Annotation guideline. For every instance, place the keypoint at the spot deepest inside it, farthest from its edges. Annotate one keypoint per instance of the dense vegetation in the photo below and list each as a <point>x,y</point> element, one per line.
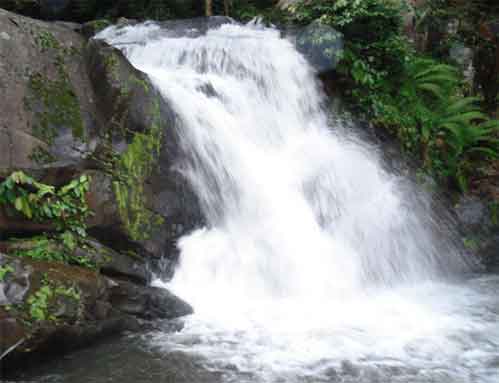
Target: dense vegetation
<point>419,93</point>
<point>64,211</point>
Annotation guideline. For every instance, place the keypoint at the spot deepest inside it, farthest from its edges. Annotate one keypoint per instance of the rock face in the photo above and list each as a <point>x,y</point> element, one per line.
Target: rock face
<point>48,111</point>
<point>69,107</point>
<point>148,303</point>
<point>158,206</point>
<point>46,303</point>
<point>479,222</point>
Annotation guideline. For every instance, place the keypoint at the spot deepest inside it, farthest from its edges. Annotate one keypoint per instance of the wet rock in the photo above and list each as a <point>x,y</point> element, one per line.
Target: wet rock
<point>47,296</point>
<point>16,284</point>
<point>54,119</point>
<point>130,265</point>
<point>124,94</point>
<point>91,28</point>
<point>114,264</point>
<point>490,253</point>
<point>472,213</point>
<point>477,219</point>
<point>148,303</point>
<point>127,96</point>
<point>80,306</point>
<point>12,332</point>
<point>331,41</point>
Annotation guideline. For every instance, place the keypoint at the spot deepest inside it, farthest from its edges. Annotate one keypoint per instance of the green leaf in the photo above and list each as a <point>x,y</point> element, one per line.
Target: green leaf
<point>19,204</point>
<point>433,89</point>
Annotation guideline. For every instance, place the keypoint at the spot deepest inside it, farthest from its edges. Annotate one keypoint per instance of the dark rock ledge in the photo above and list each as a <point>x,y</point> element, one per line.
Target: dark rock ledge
<point>72,106</point>
<point>51,307</point>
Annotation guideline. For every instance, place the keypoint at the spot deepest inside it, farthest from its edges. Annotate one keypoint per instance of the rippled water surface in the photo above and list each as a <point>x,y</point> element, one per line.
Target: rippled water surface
<point>432,333</point>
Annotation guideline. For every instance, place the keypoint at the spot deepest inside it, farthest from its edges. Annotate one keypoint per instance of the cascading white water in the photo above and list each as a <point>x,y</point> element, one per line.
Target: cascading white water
<point>313,252</point>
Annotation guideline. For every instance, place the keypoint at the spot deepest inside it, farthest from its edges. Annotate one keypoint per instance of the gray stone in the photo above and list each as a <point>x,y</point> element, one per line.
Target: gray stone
<point>149,302</point>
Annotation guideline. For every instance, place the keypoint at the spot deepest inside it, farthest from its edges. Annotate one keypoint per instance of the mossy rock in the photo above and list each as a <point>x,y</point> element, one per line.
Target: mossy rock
<point>47,112</point>
<point>51,308</point>
<point>142,127</point>
<point>91,28</point>
<point>37,298</point>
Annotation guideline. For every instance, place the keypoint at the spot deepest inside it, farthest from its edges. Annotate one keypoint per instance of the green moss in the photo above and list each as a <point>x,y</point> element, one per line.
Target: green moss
<point>111,62</point>
<point>134,80</point>
<point>99,25</point>
<point>45,40</point>
<point>43,305</point>
<point>53,249</point>
<point>494,213</point>
<point>133,168</point>
<point>4,270</point>
<point>55,105</point>
<point>41,156</point>
<point>53,100</point>
<point>471,244</point>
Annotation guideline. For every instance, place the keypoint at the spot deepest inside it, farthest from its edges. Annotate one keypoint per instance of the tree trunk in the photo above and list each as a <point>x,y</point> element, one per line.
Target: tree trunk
<point>226,7</point>
<point>209,7</point>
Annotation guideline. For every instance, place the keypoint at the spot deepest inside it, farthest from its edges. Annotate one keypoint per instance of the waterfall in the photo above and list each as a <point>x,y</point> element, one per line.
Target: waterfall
<point>307,233</point>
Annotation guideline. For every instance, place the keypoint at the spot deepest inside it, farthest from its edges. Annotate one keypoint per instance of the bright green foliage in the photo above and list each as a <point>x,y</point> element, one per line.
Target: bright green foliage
<point>472,20</point>
<point>131,171</point>
<point>359,19</point>
<point>245,10</point>
<point>433,120</point>
<point>46,40</point>
<point>41,249</point>
<point>66,207</point>
<point>416,98</point>
<point>40,304</point>
<point>57,248</point>
<point>4,270</point>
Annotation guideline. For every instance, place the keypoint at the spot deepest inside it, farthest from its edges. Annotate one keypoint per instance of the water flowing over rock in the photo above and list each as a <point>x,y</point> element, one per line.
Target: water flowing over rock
<point>237,129</point>
<point>315,262</point>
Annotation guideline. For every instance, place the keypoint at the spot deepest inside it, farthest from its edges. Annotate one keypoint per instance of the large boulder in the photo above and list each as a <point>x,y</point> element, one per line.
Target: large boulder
<point>48,112</point>
<point>38,298</point>
<point>145,198</point>
<point>149,302</point>
<point>50,305</point>
<point>129,265</point>
<point>70,108</point>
